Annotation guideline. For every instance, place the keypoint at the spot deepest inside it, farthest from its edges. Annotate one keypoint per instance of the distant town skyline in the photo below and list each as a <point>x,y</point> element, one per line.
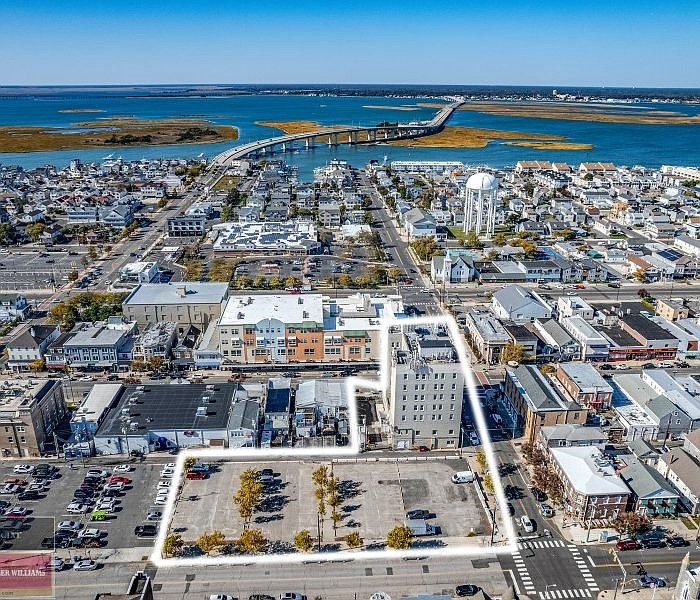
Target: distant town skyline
<point>586,43</point>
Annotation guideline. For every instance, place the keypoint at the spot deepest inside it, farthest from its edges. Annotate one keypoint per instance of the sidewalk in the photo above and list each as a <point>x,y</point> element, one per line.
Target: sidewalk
<point>665,593</point>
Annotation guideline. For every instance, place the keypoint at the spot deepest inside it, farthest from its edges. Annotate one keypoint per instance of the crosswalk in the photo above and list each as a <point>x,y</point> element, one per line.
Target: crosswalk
<point>555,594</point>
<point>523,573</point>
<point>541,544</point>
<point>583,567</point>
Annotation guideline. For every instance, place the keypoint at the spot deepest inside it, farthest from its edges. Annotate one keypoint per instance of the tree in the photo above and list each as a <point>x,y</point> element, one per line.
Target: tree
<point>226,213</point>
<point>7,234</point>
<point>303,540</point>
<point>425,248</point>
<point>488,482</point>
<point>210,541</point>
<point>499,239</point>
<point>162,203</point>
<point>528,246</point>
<point>353,540</point>
<point>631,524</point>
<point>251,541</point>
<point>513,352</point>
<point>345,281</point>
<point>471,240</point>
<point>138,365</point>
<point>548,369</point>
<point>275,283</point>
<point>640,275</point>
<point>92,252</point>
<point>480,459</point>
<point>291,282</point>
<point>259,282</point>
<point>320,478</point>
<point>189,463</point>
<point>242,282</point>
<point>394,273</point>
<point>248,495</point>
<point>35,230</point>
<point>155,363</point>
<point>73,276</point>
<point>37,365</point>
<point>399,538</point>
<point>172,544</point>
<point>363,281</point>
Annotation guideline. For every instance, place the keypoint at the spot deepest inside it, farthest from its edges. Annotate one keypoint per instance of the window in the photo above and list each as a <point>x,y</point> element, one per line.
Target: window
<point>20,429</point>
<point>434,431</point>
<point>23,440</point>
<point>450,431</point>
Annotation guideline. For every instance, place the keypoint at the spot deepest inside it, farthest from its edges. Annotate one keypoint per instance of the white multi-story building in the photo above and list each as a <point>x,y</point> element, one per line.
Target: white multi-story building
<point>423,401</point>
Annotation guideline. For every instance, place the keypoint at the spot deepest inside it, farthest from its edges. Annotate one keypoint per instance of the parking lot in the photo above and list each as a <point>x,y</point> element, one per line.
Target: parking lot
<point>133,504</point>
<point>32,269</point>
<point>375,497</point>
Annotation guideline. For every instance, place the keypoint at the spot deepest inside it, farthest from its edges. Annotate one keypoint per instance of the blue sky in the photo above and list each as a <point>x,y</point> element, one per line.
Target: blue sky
<point>619,43</point>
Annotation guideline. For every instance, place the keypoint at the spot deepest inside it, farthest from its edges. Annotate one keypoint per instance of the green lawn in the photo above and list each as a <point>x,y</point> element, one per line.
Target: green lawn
<point>456,233</point>
<point>226,183</point>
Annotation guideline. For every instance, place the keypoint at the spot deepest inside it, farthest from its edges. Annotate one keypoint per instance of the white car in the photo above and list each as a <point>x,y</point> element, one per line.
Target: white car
<point>164,484</point>
<point>96,473</point>
<point>221,597</point>
<point>77,508</point>
<point>70,525</point>
<point>55,564</point>
<point>527,525</point>
<point>85,378</point>
<point>163,493</point>
<point>116,486</point>
<point>90,533</point>
<point>168,473</point>
<point>122,469</point>
<point>16,511</point>
<point>622,367</point>
<point>292,596</point>
<point>85,565</point>
<point>161,501</point>
<point>474,438</point>
<point>154,515</point>
<point>107,504</point>
<point>23,469</point>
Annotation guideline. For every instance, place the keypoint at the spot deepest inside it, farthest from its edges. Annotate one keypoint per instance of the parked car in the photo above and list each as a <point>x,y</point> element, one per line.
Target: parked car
<point>154,515</point>
<point>119,479</point>
<point>474,438</point>
<point>648,366</point>
<point>546,510</point>
<point>96,473</point>
<point>195,475</point>
<point>418,513</point>
<point>70,525</point>
<point>606,367</point>
<point>267,475</point>
<point>221,597</point>
<point>85,565</point>
<point>538,494</point>
<point>77,508</point>
<point>122,469</point>
<point>22,469</point>
<point>676,541</point>
<point>16,512</point>
<point>653,543</point>
<point>29,495</point>
<point>55,564</point>
<point>622,367</point>
<point>292,596</point>
<point>628,545</point>
<point>145,530</point>
<point>651,581</point>
<point>466,590</point>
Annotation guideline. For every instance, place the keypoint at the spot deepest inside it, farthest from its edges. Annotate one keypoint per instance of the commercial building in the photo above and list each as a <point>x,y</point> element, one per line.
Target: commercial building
<point>591,486</point>
<point>158,417</point>
<point>532,402</point>
<point>651,495</point>
<point>294,236</point>
<point>30,411</point>
<point>139,272</point>
<point>487,334</point>
<point>102,345</point>
<point>187,226</point>
<point>585,385</point>
<point>594,346</point>
<point>423,401</point>
<point>184,303</point>
<point>321,413</point>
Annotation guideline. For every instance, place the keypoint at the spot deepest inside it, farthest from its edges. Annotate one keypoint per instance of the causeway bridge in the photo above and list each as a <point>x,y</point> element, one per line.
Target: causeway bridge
<point>332,136</point>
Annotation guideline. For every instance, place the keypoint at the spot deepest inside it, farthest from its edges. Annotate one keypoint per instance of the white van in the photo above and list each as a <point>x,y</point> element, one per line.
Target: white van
<point>666,365</point>
<point>463,477</point>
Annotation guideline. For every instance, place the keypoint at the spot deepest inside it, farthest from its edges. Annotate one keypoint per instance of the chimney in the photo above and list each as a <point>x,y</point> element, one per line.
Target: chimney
<point>181,290</point>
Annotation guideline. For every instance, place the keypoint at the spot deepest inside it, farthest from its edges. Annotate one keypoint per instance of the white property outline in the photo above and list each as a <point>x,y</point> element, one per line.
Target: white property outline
<point>353,384</point>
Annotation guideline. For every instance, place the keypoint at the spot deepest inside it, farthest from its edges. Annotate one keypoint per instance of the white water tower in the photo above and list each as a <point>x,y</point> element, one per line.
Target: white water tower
<point>481,196</point>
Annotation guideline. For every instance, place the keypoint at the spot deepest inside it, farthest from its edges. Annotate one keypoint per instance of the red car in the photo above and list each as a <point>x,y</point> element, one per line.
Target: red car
<point>195,475</point>
<point>15,481</point>
<point>628,545</point>
<point>119,479</point>
<point>578,286</point>
<point>422,449</point>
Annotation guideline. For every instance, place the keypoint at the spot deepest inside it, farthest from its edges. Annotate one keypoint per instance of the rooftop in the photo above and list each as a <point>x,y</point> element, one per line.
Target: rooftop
<point>588,471</point>
<point>170,407</point>
<point>322,392</point>
<point>538,392</point>
<point>586,377</point>
<point>183,292</point>
<point>285,308</point>
<point>20,394</point>
<point>101,397</point>
<point>488,326</point>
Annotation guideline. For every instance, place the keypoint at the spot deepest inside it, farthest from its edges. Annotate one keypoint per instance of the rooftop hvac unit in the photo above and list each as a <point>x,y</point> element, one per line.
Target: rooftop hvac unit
<point>201,411</point>
<point>133,426</point>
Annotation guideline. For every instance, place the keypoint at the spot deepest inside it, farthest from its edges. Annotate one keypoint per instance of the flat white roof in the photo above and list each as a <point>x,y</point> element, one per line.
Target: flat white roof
<point>287,308</point>
<point>588,471</point>
<point>97,401</point>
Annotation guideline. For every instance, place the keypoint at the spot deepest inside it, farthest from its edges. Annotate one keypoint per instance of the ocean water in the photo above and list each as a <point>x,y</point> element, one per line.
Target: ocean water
<point>628,144</point>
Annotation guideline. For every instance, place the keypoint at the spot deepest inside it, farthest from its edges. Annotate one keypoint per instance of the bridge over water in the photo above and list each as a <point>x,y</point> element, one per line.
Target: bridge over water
<point>332,136</point>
